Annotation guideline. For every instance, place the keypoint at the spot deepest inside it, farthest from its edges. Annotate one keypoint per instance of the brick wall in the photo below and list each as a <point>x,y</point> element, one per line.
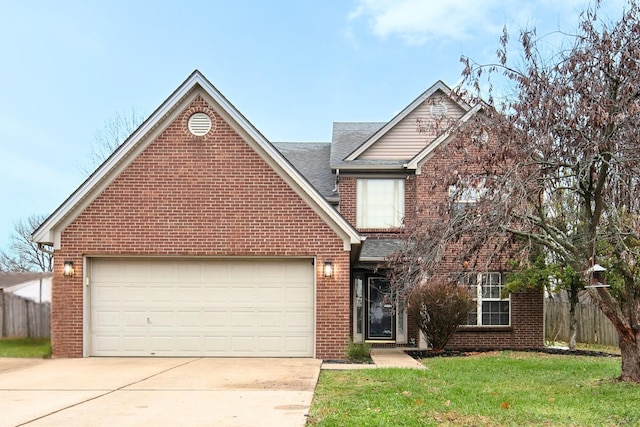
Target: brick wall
<point>427,194</point>
<point>200,196</point>
<point>526,330</point>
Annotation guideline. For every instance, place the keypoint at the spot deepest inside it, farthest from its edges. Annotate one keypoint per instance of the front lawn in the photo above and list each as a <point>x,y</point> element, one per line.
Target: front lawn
<point>25,347</point>
<point>493,389</point>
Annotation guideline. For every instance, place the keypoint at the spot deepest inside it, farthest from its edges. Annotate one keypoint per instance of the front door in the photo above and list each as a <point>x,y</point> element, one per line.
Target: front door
<point>380,323</point>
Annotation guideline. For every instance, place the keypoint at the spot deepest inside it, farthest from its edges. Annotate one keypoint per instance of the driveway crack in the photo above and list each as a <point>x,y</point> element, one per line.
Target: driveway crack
<point>107,393</point>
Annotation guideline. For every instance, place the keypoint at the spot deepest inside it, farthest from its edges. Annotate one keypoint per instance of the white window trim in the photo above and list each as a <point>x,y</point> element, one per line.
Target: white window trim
<point>479,300</point>
<point>362,210</point>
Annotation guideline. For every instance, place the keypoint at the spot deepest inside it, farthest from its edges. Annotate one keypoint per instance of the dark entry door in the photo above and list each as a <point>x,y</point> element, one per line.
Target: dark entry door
<point>380,316</point>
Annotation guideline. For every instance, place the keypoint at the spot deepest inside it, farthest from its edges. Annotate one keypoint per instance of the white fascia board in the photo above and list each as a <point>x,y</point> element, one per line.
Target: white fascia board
<point>439,85</point>
<point>49,231</point>
<point>424,154</point>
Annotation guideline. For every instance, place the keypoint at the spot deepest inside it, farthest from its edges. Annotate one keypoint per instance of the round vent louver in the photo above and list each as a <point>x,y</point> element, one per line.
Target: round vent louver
<point>199,124</point>
<point>438,110</point>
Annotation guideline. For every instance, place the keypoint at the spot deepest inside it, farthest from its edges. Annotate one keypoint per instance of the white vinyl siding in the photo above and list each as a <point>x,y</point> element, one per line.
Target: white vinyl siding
<point>380,203</point>
<point>404,141</point>
<point>230,307</point>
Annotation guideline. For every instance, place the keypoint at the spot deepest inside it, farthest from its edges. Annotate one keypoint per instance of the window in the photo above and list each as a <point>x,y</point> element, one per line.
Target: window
<point>380,203</point>
<point>490,309</point>
<point>463,199</point>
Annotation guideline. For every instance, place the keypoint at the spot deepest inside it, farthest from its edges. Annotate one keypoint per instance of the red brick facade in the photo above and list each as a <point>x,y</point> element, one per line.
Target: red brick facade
<point>213,196</point>
<point>424,195</point>
<point>200,197</point>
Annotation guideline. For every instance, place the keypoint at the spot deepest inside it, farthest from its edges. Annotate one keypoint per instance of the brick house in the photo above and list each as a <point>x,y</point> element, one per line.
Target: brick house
<point>199,237</point>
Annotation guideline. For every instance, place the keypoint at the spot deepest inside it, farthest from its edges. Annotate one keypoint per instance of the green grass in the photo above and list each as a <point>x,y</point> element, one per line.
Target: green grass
<point>25,347</point>
<point>495,389</point>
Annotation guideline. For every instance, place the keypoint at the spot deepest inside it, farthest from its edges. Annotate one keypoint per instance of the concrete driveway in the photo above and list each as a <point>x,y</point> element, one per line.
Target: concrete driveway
<point>156,391</point>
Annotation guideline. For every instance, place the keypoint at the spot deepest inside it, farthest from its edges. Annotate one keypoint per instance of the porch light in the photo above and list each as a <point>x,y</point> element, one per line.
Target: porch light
<point>67,270</point>
<point>328,269</point>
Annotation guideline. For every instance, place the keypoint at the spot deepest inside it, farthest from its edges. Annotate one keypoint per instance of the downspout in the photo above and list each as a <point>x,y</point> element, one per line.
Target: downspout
<point>41,247</point>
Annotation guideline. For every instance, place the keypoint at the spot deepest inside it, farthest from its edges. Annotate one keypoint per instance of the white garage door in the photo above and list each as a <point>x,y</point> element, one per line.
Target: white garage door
<point>225,307</point>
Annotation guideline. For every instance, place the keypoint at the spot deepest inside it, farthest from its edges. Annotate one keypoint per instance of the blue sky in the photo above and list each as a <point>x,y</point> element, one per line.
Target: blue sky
<point>291,67</point>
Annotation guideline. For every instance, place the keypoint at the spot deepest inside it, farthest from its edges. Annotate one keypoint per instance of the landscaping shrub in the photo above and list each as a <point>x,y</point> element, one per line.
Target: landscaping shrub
<point>438,309</point>
<point>359,353</point>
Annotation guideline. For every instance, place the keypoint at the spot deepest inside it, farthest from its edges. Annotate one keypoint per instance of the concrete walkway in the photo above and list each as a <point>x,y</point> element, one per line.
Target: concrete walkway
<point>382,358</point>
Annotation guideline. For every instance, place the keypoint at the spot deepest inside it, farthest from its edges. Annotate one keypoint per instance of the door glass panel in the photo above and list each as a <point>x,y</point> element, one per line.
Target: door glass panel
<point>381,319</point>
<point>359,307</point>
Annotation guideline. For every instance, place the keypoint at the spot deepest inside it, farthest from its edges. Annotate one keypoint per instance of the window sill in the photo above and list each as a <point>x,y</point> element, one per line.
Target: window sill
<point>468,328</point>
<point>382,230</point>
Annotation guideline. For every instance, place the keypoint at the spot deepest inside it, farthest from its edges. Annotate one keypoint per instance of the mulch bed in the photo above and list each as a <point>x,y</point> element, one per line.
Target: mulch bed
<point>426,354</point>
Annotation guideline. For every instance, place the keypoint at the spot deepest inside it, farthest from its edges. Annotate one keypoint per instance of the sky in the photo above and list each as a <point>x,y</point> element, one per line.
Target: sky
<point>291,67</point>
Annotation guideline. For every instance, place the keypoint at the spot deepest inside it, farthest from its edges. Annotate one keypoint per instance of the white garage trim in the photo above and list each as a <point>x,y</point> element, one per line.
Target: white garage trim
<point>235,307</point>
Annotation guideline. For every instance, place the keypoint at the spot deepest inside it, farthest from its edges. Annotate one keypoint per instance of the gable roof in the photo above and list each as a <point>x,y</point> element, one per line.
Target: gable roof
<point>438,86</point>
<point>50,230</point>
<point>347,136</point>
<point>424,154</point>
<point>311,159</point>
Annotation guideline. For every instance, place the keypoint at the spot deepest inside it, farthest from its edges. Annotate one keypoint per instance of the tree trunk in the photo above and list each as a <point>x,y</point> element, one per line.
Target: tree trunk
<point>625,319</point>
<point>630,348</point>
<point>573,330</point>
<point>573,322</point>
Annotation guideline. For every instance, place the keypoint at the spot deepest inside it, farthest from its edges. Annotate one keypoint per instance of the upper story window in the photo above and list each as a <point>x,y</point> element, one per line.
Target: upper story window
<point>490,308</point>
<point>467,197</point>
<point>380,203</point>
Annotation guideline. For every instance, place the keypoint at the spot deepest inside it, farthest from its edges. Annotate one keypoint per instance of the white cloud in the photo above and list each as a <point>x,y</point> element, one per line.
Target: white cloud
<point>419,21</point>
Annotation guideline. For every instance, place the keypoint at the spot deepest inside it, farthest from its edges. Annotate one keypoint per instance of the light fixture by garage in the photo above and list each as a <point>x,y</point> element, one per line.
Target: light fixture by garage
<point>67,269</point>
<point>328,269</point>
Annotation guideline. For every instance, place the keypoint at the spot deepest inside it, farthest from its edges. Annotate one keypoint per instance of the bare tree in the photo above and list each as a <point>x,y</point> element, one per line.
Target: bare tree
<point>564,171</point>
<point>115,131</point>
<point>23,254</point>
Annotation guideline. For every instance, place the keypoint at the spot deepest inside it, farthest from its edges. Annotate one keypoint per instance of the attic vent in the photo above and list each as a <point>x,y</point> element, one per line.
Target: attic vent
<point>438,109</point>
<point>199,124</point>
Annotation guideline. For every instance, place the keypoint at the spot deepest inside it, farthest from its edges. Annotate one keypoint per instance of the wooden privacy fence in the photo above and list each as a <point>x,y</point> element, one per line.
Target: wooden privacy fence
<point>21,317</point>
<point>593,327</point>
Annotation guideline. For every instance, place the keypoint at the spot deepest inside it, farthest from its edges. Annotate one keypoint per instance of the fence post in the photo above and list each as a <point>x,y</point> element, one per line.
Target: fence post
<point>2,316</point>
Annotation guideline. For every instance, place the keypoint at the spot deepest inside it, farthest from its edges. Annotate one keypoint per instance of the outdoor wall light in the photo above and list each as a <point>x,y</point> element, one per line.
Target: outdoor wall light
<point>67,270</point>
<point>328,269</point>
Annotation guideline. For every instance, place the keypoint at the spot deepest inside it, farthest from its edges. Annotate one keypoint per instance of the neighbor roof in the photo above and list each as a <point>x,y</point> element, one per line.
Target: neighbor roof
<point>8,279</point>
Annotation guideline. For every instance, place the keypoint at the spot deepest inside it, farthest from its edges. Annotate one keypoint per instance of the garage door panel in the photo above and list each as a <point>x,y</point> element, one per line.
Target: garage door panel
<point>189,319</point>
<point>298,295</point>
<point>241,295</point>
<point>163,272</point>
<point>301,320</point>
<point>133,293</point>
<point>269,319</point>
<point>219,295</point>
<point>190,293</point>
<point>163,294</point>
<point>297,345</point>
<point>202,308</point>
